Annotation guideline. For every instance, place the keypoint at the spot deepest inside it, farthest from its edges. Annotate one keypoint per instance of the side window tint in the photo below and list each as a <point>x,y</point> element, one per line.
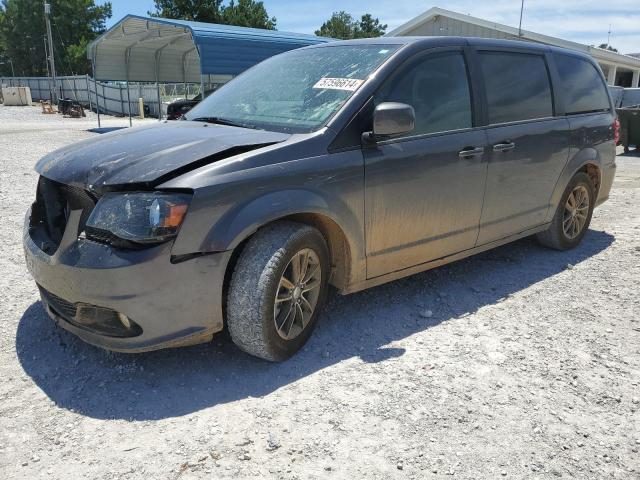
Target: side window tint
<point>517,86</point>
<point>582,87</point>
<point>437,88</point>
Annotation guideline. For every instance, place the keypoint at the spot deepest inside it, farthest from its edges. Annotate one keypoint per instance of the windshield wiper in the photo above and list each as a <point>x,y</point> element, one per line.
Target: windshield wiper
<point>223,121</point>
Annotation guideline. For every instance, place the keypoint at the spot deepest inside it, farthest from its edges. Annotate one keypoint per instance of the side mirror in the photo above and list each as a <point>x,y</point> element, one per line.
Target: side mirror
<point>391,118</point>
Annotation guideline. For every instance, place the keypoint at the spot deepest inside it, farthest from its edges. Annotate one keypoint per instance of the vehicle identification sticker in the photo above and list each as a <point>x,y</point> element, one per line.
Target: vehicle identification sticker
<point>350,84</point>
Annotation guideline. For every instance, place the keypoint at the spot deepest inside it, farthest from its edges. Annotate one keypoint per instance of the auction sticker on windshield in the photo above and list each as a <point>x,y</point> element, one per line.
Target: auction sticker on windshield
<point>350,84</point>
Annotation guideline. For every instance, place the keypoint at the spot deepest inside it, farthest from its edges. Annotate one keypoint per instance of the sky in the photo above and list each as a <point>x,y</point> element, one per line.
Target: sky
<point>583,21</point>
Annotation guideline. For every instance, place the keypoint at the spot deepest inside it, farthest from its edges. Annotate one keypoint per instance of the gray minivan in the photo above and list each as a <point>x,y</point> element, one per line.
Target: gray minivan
<point>347,164</point>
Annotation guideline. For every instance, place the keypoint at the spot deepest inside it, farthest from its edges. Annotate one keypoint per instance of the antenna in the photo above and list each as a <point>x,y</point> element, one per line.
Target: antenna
<point>609,36</point>
<point>520,24</point>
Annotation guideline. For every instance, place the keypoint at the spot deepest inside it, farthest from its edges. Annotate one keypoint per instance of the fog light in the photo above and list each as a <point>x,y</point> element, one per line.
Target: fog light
<point>125,320</point>
<point>105,321</point>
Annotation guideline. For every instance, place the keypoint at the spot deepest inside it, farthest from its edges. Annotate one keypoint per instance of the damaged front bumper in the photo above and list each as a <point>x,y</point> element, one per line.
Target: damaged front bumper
<point>88,287</point>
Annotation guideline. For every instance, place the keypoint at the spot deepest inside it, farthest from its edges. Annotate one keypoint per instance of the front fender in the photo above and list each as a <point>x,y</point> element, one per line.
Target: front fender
<point>235,205</point>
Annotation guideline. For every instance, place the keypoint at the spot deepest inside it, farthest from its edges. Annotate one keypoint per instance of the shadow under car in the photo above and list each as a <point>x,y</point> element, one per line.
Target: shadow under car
<point>169,383</point>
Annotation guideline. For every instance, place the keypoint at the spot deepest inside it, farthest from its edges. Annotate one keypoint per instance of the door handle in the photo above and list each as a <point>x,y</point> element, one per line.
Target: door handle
<point>504,147</point>
<point>469,152</point>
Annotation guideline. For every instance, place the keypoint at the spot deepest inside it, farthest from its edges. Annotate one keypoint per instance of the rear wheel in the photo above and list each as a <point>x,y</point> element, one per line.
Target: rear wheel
<point>277,287</point>
<point>573,215</point>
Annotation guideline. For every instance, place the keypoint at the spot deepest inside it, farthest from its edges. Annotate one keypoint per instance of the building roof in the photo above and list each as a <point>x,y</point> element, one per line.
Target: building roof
<point>512,32</point>
<point>145,49</point>
<point>432,41</point>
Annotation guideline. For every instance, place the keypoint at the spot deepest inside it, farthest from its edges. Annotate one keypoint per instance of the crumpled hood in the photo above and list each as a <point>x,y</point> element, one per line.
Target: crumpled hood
<point>143,155</point>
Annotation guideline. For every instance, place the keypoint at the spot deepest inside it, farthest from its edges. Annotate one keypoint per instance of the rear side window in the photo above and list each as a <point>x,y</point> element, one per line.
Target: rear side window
<point>582,87</point>
<point>517,86</point>
<point>437,87</point>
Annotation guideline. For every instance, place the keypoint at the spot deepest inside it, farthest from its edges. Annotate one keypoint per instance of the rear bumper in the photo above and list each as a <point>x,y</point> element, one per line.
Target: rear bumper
<point>174,304</point>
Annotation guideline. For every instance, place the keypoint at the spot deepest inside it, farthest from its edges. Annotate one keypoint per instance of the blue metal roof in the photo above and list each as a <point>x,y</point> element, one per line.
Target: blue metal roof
<point>227,49</point>
<point>222,49</point>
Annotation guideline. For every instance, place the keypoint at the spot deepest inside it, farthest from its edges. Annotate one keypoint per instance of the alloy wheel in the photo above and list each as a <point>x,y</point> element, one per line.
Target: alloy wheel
<point>297,294</point>
<point>576,210</point>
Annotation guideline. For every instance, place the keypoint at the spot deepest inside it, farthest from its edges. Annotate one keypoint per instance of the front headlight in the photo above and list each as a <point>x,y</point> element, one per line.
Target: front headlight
<point>140,217</point>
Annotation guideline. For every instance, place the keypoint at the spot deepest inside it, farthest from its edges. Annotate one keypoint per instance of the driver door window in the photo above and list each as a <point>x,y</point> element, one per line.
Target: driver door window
<point>437,88</point>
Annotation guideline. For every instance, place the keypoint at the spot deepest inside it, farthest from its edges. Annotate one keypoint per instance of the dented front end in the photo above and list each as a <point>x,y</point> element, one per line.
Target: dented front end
<point>128,300</point>
<point>140,297</point>
<point>144,157</point>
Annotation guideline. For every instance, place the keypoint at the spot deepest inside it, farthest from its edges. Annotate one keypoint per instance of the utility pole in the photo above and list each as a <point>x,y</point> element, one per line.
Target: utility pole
<point>46,57</point>
<point>52,62</point>
<point>520,25</point>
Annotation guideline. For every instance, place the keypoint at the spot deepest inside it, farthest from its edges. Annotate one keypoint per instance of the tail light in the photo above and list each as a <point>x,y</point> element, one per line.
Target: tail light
<point>616,131</point>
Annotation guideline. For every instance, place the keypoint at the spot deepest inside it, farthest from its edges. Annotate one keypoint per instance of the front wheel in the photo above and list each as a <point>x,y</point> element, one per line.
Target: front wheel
<point>277,287</point>
<point>573,215</point>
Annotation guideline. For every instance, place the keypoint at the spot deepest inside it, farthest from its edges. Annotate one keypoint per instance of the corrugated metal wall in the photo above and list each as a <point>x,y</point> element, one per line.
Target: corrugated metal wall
<point>39,86</point>
<point>111,97</point>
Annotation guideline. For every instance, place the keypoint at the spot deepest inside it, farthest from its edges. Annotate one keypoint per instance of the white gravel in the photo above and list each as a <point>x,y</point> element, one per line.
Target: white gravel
<point>518,363</point>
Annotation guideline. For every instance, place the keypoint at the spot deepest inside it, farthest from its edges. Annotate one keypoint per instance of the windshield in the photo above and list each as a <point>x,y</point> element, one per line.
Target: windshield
<point>297,91</point>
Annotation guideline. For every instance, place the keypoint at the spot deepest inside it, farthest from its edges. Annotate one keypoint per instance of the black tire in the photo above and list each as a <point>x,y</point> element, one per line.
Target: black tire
<point>555,236</point>
<point>255,282</point>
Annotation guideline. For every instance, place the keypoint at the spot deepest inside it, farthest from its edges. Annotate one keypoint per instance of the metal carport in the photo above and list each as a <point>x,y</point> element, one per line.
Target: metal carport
<point>142,49</point>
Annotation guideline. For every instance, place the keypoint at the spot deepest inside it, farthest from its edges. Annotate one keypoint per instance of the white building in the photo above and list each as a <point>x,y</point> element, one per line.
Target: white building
<point>619,69</point>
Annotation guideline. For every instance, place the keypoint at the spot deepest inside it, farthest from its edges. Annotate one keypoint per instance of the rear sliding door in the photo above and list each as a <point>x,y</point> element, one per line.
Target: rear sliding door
<point>528,147</point>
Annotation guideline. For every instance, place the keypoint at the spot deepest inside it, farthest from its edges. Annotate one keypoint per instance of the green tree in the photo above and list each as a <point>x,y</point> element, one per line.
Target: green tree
<point>370,27</point>
<point>244,13</point>
<point>342,25</point>
<point>74,24</point>
<point>5,66</point>
<point>608,47</point>
<point>248,13</point>
<point>194,10</point>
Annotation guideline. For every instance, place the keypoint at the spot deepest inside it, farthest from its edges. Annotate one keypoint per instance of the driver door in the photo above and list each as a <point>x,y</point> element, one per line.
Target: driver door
<point>424,190</point>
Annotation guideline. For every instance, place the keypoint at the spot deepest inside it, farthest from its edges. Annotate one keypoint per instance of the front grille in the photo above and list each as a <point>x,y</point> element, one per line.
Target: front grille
<point>50,212</point>
<point>103,236</point>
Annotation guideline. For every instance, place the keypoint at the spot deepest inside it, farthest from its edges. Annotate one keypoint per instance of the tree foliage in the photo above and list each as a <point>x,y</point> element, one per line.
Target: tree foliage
<point>248,13</point>
<point>607,47</point>
<point>244,13</point>
<point>369,27</point>
<point>4,69</point>
<point>342,25</point>
<point>194,10</point>
<point>74,24</point>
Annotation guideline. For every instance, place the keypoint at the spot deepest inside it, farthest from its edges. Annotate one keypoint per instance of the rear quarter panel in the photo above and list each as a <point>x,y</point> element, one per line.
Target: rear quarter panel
<point>591,141</point>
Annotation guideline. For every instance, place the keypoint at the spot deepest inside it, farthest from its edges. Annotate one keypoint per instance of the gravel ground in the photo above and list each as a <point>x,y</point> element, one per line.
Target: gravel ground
<point>517,363</point>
